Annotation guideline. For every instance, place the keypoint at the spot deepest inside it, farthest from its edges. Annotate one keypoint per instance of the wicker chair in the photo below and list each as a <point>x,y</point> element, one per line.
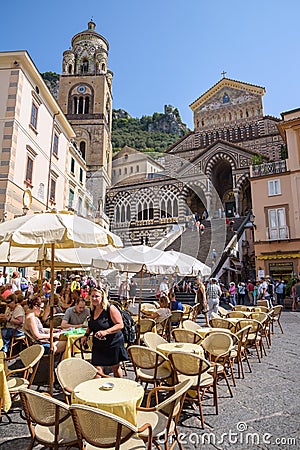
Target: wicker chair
<point>275,314</point>
<point>220,323</point>
<point>182,335</point>
<point>49,421</point>
<point>146,325</point>
<point>152,340</point>
<point>187,310</point>
<point>217,349</point>
<point>19,342</point>
<point>254,337</point>
<point>30,358</point>
<point>101,429</point>
<point>150,366</point>
<point>164,416</point>
<point>190,325</point>
<point>236,315</point>
<point>176,319</point>
<point>192,367</point>
<point>72,371</point>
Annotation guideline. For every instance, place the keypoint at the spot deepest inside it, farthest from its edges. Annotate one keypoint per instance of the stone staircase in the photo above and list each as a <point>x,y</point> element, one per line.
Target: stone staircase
<point>216,236</point>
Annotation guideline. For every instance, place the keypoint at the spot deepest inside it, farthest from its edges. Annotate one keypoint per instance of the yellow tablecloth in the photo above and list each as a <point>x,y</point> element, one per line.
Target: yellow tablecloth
<point>5,399</point>
<point>122,400</point>
<point>70,338</point>
<point>169,347</point>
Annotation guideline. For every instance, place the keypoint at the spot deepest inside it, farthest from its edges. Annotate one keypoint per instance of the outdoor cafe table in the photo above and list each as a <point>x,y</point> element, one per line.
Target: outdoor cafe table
<point>5,399</point>
<point>70,337</point>
<point>186,347</point>
<point>122,400</point>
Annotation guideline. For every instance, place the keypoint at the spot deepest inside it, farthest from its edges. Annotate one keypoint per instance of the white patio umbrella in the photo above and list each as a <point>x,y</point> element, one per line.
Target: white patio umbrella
<point>71,258</point>
<point>140,259</point>
<point>193,265</point>
<point>55,230</point>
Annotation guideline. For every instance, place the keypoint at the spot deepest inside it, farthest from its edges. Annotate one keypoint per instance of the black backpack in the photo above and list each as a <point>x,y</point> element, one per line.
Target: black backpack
<point>129,327</point>
<point>129,331</point>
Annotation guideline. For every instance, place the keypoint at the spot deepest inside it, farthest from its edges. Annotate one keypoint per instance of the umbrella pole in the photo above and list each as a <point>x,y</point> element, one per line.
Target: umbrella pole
<point>40,281</point>
<point>51,355</point>
<point>139,310</point>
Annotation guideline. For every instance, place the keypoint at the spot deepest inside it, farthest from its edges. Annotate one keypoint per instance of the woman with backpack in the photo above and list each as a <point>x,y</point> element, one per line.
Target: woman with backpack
<point>106,324</point>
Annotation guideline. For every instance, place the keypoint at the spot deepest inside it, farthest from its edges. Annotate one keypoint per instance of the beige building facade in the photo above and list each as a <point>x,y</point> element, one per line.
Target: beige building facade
<point>276,204</point>
<point>36,144</point>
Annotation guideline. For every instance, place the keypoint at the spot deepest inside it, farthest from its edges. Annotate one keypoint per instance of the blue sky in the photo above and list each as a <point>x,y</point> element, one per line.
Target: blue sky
<point>169,51</point>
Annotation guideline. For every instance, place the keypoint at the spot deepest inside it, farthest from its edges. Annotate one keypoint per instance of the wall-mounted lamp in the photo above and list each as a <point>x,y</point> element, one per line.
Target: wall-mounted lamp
<point>16,63</point>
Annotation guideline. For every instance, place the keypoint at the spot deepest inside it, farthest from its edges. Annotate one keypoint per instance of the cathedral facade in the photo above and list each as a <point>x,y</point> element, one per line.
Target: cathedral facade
<point>206,171</point>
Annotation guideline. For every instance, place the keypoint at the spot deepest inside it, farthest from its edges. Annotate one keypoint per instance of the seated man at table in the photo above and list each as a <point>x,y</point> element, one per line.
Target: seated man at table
<point>76,315</point>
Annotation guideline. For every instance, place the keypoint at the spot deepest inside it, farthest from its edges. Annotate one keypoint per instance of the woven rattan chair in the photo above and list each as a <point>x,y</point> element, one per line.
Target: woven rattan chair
<point>57,319</point>
<point>187,310</point>
<point>19,342</point>
<point>222,311</point>
<point>152,340</point>
<point>236,315</point>
<point>217,349</point>
<point>192,367</point>
<point>24,376</point>
<point>241,349</point>
<point>150,366</point>
<point>240,308</point>
<point>164,416</point>
<point>182,335</point>
<point>263,303</point>
<point>176,319</point>
<point>72,371</point>
<point>49,421</point>
<point>220,323</point>
<point>275,314</point>
<point>254,336</point>
<point>146,325</point>
<point>101,429</point>
<point>190,325</point>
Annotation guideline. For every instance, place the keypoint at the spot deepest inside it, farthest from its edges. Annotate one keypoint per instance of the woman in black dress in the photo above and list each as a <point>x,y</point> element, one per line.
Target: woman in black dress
<point>108,342</point>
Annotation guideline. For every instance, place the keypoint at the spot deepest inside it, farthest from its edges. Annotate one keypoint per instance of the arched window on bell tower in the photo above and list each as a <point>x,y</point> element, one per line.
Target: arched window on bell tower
<point>82,147</point>
<point>70,68</point>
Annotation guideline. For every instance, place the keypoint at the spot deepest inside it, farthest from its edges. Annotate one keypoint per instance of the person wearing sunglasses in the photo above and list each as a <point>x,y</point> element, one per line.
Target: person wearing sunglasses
<point>108,342</point>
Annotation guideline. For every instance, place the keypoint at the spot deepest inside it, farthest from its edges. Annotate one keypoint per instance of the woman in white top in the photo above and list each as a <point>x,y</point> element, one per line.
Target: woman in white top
<point>34,326</point>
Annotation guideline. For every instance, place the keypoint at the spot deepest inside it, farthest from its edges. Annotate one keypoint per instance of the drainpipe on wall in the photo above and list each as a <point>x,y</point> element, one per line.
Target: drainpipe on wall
<point>50,160</point>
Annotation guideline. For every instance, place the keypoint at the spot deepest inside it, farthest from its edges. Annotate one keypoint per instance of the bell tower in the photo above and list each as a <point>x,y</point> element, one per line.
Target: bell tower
<point>85,96</point>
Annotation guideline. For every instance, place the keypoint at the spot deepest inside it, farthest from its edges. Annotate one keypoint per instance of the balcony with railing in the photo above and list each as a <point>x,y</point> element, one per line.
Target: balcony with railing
<point>278,234</point>
<point>270,168</point>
